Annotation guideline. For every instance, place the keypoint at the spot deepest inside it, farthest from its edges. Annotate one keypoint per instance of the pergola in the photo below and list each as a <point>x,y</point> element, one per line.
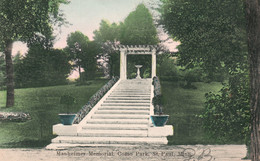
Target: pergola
<point>135,50</point>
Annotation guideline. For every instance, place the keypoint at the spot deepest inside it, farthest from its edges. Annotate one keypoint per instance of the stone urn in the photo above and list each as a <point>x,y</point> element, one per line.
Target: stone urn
<point>138,71</point>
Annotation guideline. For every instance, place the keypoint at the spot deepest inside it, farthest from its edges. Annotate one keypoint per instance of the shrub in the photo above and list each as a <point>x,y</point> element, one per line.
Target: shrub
<point>227,113</point>
<point>191,75</point>
<point>167,69</point>
<point>42,67</point>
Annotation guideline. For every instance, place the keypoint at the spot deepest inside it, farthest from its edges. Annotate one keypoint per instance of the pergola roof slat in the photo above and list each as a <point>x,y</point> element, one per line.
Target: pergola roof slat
<point>136,48</point>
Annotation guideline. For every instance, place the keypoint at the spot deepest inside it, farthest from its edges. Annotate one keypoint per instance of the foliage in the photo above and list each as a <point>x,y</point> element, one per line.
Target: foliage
<point>68,100</point>
<point>212,33</point>
<point>183,105</point>
<point>137,29</point>
<point>107,32</point>
<point>42,67</point>
<point>213,37</point>
<point>77,44</point>
<point>105,36</point>
<point>192,75</point>
<point>227,113</point>
<point>28,21</point>
<point>89,60</point>
<point>166,68</point>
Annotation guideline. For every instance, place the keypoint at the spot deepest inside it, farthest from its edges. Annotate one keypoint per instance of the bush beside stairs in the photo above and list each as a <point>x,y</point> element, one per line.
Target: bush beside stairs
<point>120,118</point>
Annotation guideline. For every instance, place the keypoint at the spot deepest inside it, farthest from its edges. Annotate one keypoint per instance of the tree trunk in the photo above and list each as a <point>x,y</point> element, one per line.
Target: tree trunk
<point>253,30</point>
<point>9,74</point>
<point>80,74</point>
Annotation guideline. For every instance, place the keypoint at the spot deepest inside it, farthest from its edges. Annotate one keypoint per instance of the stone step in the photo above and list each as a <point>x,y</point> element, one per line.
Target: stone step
<point>110,133</point>
<point>145,112</point>
<point>131,95</point>
<point>64,146</point>
<point>109,140</point>
<point>130,92</point>
<point>132,89</point>
<point>128,98</point>
<point>134,85</point>
<point>118,121</point>
<point>126,104</point>
<point>123,108</point>
<point>119,116</point>
<point>148,88</point>
<point>127,101</point>
<point>116,127</point>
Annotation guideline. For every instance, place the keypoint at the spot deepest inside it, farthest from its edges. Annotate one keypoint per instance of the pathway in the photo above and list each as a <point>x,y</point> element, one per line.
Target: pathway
<point>143,153</point>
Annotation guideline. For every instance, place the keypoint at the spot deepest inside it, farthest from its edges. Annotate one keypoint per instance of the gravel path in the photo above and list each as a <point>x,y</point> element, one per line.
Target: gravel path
<point>144,153</point>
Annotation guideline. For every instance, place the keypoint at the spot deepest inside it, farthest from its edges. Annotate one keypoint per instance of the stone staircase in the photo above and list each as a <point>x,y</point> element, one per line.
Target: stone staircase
<point>121,118</point>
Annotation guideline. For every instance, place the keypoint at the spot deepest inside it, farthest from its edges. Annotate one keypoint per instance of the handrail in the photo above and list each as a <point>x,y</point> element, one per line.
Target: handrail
<point>157,99</point>
<point>94,100</point>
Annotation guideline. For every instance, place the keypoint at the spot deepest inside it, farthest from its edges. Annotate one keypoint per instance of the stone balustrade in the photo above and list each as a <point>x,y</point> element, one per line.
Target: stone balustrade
<point>94,100</point>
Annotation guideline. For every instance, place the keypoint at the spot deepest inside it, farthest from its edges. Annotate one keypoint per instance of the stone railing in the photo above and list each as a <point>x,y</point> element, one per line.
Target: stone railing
<point>94,100</point>
<point>157,99</point>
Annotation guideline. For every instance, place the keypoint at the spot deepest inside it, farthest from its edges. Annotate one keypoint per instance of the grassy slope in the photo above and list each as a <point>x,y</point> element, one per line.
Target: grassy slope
<point>183,105</point>
<point>43,105</point>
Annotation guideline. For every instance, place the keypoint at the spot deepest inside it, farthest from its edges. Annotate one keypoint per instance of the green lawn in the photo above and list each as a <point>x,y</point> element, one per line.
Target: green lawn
<point>183,105</point>
<point>43,105</point>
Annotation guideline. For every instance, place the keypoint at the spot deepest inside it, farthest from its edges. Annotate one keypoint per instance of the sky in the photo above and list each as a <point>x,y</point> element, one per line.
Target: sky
<point>85,16</point>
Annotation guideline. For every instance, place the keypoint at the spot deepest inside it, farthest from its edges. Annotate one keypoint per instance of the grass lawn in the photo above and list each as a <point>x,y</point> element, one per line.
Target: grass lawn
<point>43,104</point>
<point>44,107</point>
<point>183,105</point>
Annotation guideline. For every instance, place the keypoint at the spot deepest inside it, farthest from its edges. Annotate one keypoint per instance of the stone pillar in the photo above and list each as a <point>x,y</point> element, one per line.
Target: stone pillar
<point>123,64</point>
<point>153,63</point>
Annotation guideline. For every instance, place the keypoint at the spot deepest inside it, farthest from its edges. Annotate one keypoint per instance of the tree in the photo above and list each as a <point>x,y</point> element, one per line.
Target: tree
<point>212,33</point>
<point>25,20</point>
<point>107,32</point>
<point>89,60</point>
<point>77,44</point>
<point>105,37</point>
<point>139,29</point>
<point>2,70</point>
<point>253,33</point>
<point>222,26</point>
<point>41,67</point>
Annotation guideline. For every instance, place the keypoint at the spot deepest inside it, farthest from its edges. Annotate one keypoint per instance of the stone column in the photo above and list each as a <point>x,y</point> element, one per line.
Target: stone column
<point>123,64</point>
<point>153,63</point>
